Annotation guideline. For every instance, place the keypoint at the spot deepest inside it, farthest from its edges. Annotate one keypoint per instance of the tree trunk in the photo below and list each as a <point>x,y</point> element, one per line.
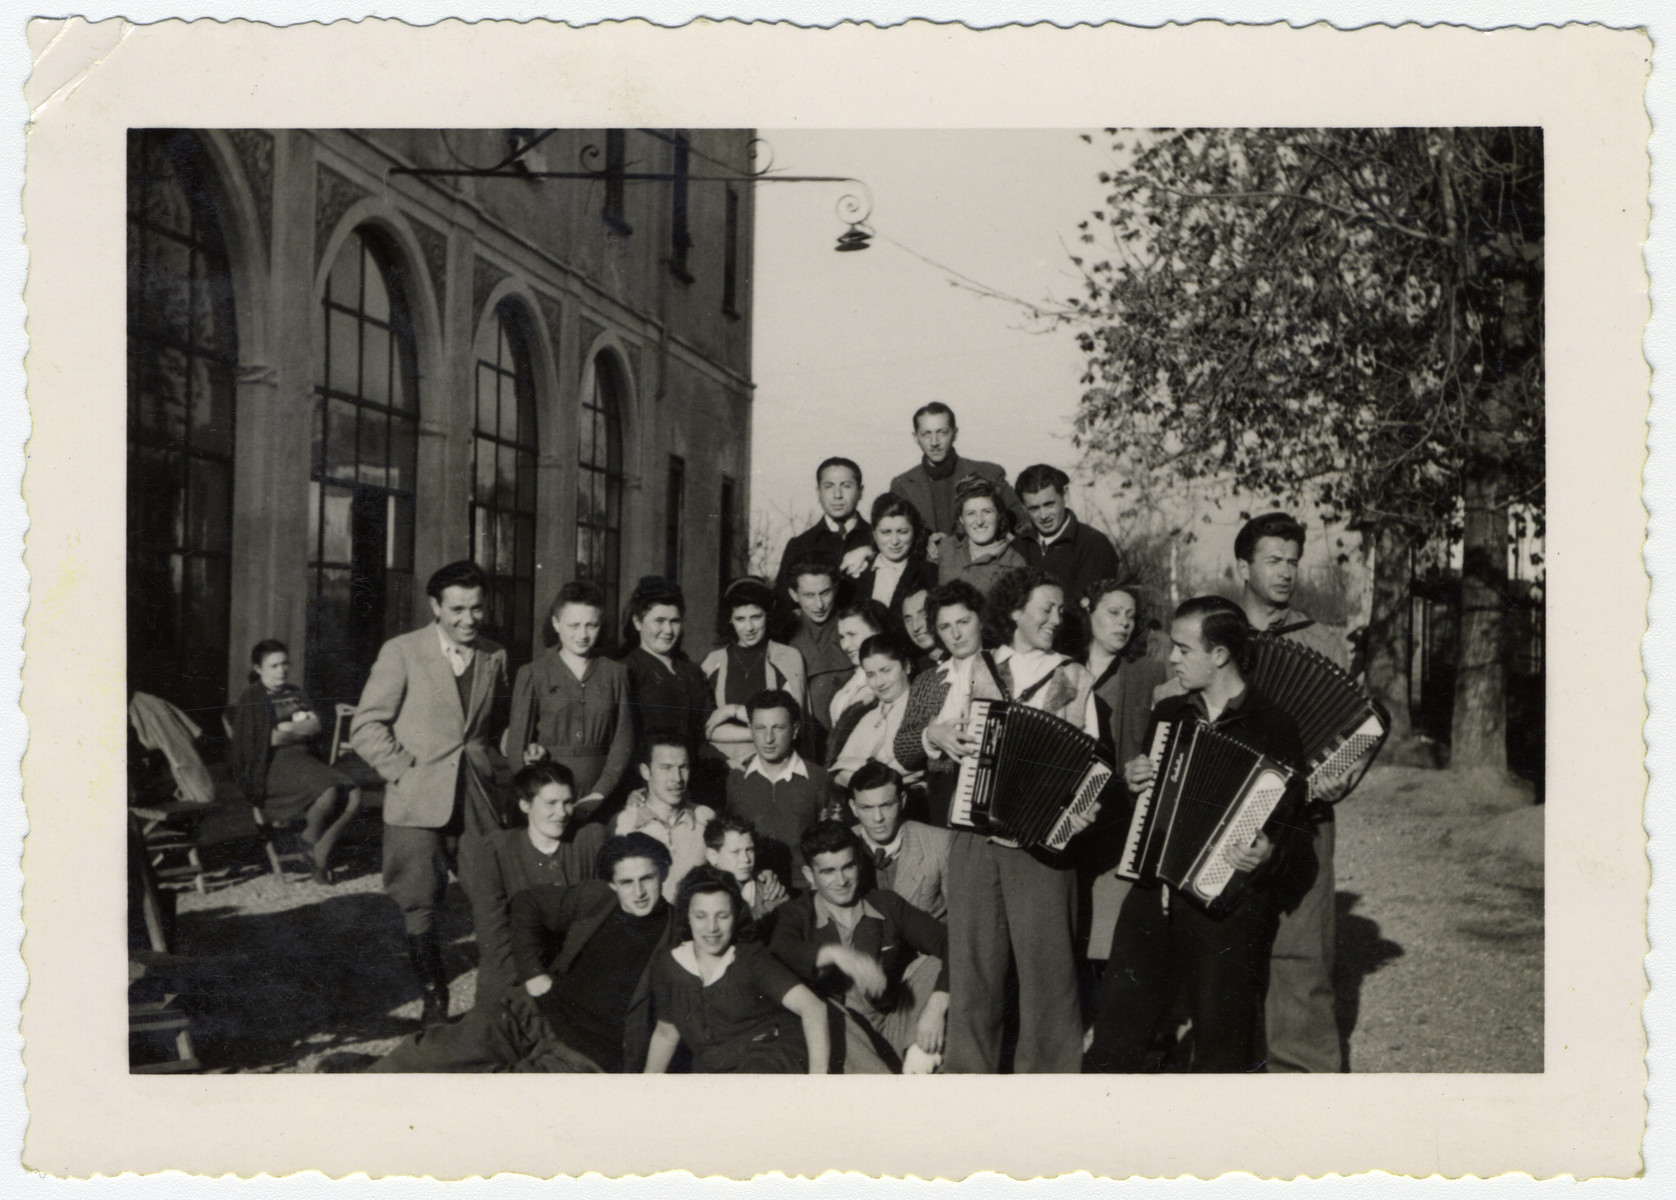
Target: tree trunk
<point>1478,736</point>
<point>1387,633</point>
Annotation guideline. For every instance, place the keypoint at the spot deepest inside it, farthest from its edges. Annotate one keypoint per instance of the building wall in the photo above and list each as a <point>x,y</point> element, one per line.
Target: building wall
<point>582,288</point>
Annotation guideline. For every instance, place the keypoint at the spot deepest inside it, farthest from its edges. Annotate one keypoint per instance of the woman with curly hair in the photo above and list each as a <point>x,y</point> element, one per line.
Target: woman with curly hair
<point>737,1008</point>
<point>982,550</point>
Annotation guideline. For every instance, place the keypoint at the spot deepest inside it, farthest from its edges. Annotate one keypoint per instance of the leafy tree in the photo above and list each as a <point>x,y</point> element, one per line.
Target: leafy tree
<point>1349,318</point>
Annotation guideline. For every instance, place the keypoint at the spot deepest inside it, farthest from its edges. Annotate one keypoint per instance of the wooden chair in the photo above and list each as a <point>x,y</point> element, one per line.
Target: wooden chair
<point>151,1013</point>
<point>343,714</point>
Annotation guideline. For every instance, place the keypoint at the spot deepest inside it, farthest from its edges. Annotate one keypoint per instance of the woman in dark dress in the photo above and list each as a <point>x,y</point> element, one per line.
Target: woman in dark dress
<point>570,705</point>
<point>737,1008</point>
<point>1124,679</point>
<point>272,755</point>
<point>667,692</point>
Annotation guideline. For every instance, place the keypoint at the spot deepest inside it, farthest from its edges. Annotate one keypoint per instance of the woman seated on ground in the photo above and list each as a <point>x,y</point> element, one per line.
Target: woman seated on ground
<point>745,663</point>
<point>899,567</point>
<point>982,550</point>
<point>857,621</point>
<point>570,706</point>
<point>737,1008</point>
<point>273,757</point>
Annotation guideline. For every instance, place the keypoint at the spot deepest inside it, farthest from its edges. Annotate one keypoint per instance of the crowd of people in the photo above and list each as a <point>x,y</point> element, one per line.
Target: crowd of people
<point>753,862</point>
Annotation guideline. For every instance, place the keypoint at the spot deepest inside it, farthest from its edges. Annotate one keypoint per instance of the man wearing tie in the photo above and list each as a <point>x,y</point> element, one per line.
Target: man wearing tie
<point>432,709</point>
<point>911,859</point>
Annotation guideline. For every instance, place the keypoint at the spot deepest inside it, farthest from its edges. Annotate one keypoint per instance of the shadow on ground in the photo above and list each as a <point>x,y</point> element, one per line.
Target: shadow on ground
<point>1361,952</point>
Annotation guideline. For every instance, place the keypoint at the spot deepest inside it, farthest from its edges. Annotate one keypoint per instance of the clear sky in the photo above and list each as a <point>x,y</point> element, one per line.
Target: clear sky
<point>846,346</point>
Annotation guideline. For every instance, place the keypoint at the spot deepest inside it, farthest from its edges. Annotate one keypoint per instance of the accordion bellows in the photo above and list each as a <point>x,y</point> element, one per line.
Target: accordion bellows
<point>1340,726</point>
<point>1210,795</point>
<point>1032,774</point>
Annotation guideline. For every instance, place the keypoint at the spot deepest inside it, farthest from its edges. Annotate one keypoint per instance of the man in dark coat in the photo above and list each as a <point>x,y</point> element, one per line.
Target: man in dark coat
<point>929,486</point>
<point>841,538</point>
<point>1054,541</point>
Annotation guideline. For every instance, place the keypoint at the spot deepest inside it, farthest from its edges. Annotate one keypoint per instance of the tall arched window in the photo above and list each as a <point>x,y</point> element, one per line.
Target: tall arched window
<point>503,476</point>
<point>599,484</point>
<point>182,355</point>
<point>366,424</point>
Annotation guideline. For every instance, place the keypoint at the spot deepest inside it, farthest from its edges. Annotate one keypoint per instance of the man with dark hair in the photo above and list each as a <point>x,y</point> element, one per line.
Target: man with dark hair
<point>584,954</point>
<point>841,539</point>
<point>929,485</point>
<point>1300,1013</point>
<point>814,589</point>
<point>582,950</point>
<point>429,717</point>
<point>1164,944</point>
<point>730,844</point>
<point>1053,540</point>
<point>775,789</point>
<point>852,945</point>
<point>664,809</point>
<point>554,846</point>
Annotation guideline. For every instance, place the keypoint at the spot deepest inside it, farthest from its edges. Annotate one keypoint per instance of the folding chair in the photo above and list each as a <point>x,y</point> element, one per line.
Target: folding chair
<point>266,830</point>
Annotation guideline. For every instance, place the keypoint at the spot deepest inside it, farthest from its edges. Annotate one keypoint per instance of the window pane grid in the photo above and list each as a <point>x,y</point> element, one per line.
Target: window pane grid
<point>600,484</point>
<point>503,473</point>
<point>182,352</point>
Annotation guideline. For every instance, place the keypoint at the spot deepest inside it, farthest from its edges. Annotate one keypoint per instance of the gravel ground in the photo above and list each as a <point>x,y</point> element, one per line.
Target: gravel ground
<point>1440,907</point>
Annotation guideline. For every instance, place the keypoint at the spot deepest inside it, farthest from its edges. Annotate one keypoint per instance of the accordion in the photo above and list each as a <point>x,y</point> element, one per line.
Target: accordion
<point>1341,727</point>
<point>1209,795</point>
<point>1032,774</point>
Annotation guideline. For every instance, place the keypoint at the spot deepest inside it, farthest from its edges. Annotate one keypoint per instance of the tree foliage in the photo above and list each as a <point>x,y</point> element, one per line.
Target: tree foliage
<point>1349,319</point>
<point>1317,313</point>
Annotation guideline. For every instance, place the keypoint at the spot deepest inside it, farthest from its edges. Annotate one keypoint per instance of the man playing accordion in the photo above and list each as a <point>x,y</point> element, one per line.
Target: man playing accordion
<point>1165,945</point>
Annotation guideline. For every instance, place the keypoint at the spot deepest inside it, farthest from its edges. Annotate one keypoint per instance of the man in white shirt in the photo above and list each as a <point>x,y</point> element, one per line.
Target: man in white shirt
<point>776,789</point>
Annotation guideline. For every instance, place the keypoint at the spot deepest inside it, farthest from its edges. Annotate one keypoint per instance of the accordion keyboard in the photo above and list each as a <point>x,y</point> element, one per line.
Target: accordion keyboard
<point>966,786</point>
<point>1129,866</point>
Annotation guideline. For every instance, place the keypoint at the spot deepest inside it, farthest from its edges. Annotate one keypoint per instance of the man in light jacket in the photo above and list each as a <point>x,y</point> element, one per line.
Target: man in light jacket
<point>432,709</point>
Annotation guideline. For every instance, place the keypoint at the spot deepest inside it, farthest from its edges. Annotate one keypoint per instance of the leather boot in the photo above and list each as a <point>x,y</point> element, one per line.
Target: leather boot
<point>425,955</point>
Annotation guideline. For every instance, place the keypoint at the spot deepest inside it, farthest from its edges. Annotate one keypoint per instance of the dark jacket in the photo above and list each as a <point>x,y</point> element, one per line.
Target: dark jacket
<point>892,938</point>
<point>819,544</point>
<point>550,925</point>
<point>249,750</point>
<point>1257,723</point>
<point>1079,556</point>
<point>916,574</point>
<point>914,486</point>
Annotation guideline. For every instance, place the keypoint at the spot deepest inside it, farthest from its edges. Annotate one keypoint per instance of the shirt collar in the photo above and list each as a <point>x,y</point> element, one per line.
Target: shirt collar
<point>452,649</point>
<point>891,848</point>
<point>1064,528</point>
<point>823,911</point>
<point>684,815</point>
<point>794,766</point>
<point>844,529</point>
<point>687,955</point>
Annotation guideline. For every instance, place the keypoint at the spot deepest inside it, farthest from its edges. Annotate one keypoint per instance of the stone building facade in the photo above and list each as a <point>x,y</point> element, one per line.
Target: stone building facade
<point>342,377</point>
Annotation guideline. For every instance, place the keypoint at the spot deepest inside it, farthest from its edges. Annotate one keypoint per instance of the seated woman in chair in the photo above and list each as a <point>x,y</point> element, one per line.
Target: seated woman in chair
<point>272,757</point>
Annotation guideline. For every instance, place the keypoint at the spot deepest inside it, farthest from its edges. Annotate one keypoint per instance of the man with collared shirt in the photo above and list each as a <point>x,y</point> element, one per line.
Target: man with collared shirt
<point>852,945</point>
<point>429,716</point>
<point>775,789</point>
<point>930,485</point>
<point>730,844</point>
<point>1300,1012</point>
<point>1165,946</point>
<point>826,667</point>
<point>1055,541</point>
<point>841,538</point>
<point>663,810</point>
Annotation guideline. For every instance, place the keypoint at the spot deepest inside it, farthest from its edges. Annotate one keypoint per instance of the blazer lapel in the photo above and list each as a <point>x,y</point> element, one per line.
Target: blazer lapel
<point>437,672</point>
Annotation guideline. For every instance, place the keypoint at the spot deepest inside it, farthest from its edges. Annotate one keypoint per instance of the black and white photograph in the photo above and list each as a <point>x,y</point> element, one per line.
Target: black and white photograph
<point>1037,601</point>
<point>767,552</point>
